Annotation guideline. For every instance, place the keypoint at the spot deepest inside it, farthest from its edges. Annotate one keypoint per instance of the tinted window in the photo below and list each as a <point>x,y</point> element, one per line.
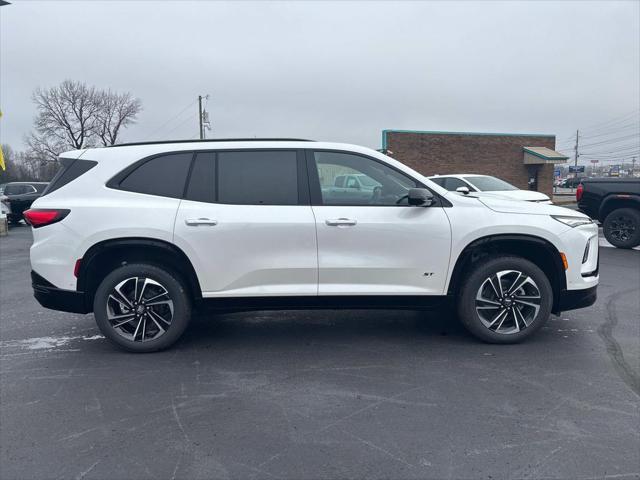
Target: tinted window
<point>202,182</point>
<point>452,184</point>
<point>70,170</point>
<point>438,181</point>
<point>40,186</point>
<point>490,184</point>
<point>164,176</point>
<point>17,189</point>
<point>258,178</point>
<point>382,185</point>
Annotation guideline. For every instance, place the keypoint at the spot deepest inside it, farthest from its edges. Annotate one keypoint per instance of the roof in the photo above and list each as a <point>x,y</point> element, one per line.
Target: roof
<point>164,142</point>
<point>546,153</point>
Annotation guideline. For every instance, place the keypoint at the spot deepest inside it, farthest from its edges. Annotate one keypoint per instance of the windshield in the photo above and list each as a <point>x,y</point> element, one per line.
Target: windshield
<point>490,184</point>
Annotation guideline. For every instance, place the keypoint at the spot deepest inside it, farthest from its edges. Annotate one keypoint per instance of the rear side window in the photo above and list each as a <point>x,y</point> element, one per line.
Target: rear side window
<point>164,176</point>
<point>258,178</point>
<point>70,170</point>
<point>202,180</point>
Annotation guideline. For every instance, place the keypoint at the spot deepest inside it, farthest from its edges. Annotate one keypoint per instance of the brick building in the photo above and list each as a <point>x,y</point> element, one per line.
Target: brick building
<point>525,160</point>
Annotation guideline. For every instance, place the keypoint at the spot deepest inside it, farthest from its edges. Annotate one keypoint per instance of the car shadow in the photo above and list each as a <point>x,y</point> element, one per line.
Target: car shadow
<point>341,326</point>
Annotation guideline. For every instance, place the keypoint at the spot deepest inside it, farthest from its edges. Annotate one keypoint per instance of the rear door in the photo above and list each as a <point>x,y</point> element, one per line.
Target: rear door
<point>247,225</point>
<point>375,243</point>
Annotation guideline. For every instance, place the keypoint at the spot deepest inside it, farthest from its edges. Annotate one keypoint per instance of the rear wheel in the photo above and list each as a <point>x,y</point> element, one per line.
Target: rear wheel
<point>142,308</point>
<point>622,228</point>
<point>505,300</point>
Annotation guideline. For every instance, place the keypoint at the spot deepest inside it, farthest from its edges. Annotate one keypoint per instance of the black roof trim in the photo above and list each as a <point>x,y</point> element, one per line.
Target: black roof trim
<point>163,142</point>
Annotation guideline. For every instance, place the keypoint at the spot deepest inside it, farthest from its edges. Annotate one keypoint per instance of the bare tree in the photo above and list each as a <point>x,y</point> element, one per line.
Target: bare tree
<point>73,116</point>
<point>117,111</point>
<point>44,147</point>
<point>67,114</point>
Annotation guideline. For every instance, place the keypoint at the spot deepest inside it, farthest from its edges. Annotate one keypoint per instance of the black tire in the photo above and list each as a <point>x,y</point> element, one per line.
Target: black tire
<point>105,302</point>
<point>476,281</point>
<point>14,219</point>
<point>622,228</point>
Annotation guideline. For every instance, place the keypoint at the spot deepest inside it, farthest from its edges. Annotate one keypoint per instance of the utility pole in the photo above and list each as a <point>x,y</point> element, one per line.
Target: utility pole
<point>200,116</point>
<point>203,116</point>
<point>576,155</point>
<point>633,166</point>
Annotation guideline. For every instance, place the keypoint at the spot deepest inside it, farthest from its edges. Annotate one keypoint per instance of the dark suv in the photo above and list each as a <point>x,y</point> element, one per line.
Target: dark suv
<point>18,197</point>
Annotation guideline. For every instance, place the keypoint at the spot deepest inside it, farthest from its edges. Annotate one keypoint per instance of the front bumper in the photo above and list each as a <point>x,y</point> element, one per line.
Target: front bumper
<point>574,299</point>
<point>55,298</point>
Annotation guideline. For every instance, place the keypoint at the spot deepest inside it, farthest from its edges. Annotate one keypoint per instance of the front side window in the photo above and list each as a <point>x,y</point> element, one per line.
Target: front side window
<point>258,177</point>
<point>368,182</point>
<point>164,176</point>
<point>490,184</point>
<point>452,184</point>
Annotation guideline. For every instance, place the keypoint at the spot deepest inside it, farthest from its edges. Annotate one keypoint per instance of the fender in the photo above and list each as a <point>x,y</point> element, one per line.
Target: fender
<point>484,244</point>
<point>624,199</point>
<point>150,245</point>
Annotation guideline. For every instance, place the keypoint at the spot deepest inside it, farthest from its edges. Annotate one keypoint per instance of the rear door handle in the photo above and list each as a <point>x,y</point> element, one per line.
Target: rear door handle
<point>194,222</point>
<point>340,222</point>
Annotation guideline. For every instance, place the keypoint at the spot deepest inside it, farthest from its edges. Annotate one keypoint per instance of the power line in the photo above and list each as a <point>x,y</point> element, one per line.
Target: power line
<point>613,121</point>
<point>170,120</point>
<point>612,140</point>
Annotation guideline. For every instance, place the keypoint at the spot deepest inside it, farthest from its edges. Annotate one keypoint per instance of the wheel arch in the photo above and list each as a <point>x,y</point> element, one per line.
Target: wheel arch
<point>109,254</point>
<point>536,249</point>
<point>616,201</point>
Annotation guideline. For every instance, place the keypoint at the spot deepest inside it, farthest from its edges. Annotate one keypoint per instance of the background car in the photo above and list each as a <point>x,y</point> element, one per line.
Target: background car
<point>572,182</point>
<point>488,185</point>
<point>18,197</point>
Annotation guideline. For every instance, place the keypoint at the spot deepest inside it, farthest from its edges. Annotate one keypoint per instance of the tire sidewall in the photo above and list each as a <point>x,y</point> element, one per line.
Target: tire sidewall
<point>634,215</point>
<point>177,292</point>
<point>466,299</point>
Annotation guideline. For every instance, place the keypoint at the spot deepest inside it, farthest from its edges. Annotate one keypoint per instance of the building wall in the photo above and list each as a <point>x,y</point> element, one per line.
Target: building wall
<point>497,155</point>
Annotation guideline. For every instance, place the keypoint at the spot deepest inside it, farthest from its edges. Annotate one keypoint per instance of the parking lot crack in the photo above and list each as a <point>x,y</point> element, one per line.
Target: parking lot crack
<point>626,372</point>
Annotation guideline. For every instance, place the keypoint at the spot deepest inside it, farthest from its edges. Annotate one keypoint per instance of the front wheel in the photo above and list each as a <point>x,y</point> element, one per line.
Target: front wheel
<point>142,308</point>
<point>505,300</point>
<point>621,228</point>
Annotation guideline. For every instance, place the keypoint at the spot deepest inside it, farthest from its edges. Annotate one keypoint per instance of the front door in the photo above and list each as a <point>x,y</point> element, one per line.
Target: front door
<point>247,226</point>
<point>375,244</point>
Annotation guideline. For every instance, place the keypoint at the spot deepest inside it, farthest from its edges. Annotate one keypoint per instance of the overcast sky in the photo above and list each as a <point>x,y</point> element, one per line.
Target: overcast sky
<point>339,71</point>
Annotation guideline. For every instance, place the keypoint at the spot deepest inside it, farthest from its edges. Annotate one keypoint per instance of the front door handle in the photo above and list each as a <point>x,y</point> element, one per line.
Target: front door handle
<point>194,222</point>
<point>340,222</point>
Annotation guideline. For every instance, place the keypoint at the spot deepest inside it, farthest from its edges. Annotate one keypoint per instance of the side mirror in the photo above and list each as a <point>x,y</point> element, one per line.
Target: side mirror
<point>463,190</point>
<point>420,197</point>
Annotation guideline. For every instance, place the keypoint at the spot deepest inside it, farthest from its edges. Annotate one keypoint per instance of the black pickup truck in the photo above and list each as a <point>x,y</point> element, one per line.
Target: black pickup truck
<point>615,202</point>
<point>18,197</point>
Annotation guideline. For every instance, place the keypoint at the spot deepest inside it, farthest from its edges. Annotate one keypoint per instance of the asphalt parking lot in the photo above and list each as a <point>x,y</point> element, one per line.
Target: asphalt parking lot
<point>324,394</point>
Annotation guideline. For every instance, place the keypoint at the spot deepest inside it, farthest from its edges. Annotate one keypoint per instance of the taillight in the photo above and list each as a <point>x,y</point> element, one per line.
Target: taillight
<point>579,192</point>
<point>76,267</point>
<point>41,217</point>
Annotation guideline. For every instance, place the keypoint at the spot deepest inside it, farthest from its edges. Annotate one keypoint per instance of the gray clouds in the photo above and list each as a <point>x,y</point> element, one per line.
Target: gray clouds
<point>330,70</point>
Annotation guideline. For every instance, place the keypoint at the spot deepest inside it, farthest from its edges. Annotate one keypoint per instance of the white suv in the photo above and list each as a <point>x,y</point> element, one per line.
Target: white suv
<point>142,233</point>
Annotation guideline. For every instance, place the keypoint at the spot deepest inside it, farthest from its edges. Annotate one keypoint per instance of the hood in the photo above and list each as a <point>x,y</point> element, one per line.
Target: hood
<point>504,205</point>
<point>526,195</point>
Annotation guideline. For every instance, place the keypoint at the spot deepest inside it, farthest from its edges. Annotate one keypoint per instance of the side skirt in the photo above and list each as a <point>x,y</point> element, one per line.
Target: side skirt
<point>338,302</point>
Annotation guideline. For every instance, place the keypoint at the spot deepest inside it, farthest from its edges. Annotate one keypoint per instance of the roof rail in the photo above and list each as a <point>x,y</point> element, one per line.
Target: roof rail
<point>160,142</point>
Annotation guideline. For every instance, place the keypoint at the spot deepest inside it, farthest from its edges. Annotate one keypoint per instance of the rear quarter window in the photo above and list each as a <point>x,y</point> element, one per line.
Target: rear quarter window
<point>70,170</point>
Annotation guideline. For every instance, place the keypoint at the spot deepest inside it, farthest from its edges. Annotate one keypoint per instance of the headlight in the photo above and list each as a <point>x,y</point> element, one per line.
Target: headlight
<point>572,221</point>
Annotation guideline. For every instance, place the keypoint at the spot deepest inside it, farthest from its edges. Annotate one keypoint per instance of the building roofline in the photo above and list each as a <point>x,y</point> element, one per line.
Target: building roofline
<point>435,132</point>
<point>546,157</point>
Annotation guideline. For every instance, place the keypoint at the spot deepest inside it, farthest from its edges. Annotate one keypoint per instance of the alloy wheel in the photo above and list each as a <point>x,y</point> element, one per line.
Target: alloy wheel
<point>140,309</point>
<point>622,228</point>
<point>508,301</point>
